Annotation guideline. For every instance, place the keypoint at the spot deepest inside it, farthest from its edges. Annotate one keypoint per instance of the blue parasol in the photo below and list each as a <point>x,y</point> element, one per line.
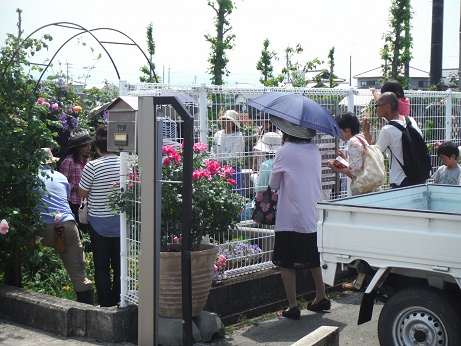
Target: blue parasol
<point>297,109</point>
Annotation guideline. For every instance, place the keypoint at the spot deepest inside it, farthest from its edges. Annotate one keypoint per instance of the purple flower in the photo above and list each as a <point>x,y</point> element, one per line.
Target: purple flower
<point>73,122</point>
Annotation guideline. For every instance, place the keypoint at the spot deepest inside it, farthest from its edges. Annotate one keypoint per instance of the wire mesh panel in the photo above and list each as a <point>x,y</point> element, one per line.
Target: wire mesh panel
<point>132,190</point>
<point>249,247</point>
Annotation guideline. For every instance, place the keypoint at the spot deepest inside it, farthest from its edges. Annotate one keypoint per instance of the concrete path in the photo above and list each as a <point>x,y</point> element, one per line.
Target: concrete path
<point>12,334</point>
<point>279,331</point>
<point>273,331</point>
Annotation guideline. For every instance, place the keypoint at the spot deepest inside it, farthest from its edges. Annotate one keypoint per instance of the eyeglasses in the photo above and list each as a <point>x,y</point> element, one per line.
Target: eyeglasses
<point>377,105</point>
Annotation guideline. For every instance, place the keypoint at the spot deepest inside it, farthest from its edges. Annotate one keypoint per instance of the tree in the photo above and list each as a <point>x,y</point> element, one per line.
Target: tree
<point>264,65</point>
<point>294,73</point>
<point>331,66</point>
<point>398,42</point>
<point>26,129</point>
<point>222,42</point>
<point>149,75</point>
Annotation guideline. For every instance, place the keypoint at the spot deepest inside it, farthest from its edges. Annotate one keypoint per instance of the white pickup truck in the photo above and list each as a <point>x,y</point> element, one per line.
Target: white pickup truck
<point>407,245</point>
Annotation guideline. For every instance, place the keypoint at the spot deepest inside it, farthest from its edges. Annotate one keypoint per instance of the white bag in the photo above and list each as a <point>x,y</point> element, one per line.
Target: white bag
<point>83,211</point>
<point>373,173</point>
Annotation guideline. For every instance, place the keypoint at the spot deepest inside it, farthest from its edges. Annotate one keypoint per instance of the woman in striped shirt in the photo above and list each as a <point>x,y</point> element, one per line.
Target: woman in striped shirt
<point>98,177</point>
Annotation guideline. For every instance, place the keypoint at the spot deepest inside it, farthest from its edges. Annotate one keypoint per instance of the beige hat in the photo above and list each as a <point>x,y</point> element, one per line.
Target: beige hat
<point>232,116</point>
<point>292,129</point>
<point>49,154</point>
<point>269,143</point>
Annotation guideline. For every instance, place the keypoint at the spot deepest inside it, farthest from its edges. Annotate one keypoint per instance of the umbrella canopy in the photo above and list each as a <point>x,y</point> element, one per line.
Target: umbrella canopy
<point>297,109</point>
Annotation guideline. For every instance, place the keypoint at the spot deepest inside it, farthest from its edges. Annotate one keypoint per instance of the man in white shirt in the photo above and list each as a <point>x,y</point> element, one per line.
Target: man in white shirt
<point>390,137</point>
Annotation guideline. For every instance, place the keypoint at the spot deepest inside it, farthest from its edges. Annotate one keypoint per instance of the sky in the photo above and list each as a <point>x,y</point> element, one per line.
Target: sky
<point>355,28</point>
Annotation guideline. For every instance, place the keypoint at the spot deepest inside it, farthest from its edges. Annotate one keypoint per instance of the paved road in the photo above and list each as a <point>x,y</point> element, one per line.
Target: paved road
<point>14,334</point>
<point>283,332</point>
<point>273,331</point>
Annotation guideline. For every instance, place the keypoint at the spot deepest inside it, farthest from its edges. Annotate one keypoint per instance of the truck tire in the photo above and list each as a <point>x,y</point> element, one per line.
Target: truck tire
<point>420,316</point>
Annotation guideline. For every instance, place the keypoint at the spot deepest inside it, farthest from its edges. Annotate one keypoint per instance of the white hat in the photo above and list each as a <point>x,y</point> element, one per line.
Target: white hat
<point>292,129</point>
<point>232,116</point>
<point>269,143</point>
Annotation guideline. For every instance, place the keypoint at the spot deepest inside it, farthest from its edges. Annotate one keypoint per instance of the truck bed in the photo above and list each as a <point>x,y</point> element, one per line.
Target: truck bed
<point>418,227</point>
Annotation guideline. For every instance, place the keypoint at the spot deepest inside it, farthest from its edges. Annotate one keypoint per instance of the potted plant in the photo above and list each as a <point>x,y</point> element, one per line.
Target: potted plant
<point>215,212</point>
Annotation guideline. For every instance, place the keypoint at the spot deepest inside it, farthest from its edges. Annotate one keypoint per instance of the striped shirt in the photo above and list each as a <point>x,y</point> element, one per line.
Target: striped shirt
<point>98,177</point>
<point>73,171</point>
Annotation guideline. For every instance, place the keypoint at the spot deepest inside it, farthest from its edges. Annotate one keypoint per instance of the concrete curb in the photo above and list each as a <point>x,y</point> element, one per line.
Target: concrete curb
<point>322,336</point>
<point>68,318</point>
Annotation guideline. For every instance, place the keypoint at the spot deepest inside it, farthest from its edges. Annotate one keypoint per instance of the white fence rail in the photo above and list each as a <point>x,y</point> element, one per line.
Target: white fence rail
<point>437,113</point>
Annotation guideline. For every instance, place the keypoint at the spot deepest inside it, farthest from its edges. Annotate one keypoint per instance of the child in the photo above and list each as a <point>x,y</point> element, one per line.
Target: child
<point>450,172</point>
<point>395,87</point>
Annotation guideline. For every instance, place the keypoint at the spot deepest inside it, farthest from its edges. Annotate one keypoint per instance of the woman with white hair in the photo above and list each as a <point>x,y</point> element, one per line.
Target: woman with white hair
<point>296,173</point>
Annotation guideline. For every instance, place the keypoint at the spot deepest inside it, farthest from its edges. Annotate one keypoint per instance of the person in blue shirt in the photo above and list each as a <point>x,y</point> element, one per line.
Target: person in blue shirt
<point>268,146</point>
<point>55,210</point>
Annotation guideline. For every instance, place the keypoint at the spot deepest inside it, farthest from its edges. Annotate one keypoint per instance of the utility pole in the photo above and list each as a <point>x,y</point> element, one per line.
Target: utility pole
<point>20,31</point>
<point>288,68</point>
<point>459,48</point>
<point>67,71</point>
<point>436,43</point>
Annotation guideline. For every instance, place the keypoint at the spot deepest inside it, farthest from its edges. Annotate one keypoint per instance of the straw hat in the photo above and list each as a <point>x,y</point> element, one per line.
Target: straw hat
<point>292,129</point>
<point>232,116</point>
<point>269,143</point>
<point>79,137</point>
<point>49,155</point>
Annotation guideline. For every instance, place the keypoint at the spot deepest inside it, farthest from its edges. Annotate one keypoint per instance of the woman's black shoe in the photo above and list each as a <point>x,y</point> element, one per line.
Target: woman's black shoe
<point>293,313</point>
<point>322,305</point>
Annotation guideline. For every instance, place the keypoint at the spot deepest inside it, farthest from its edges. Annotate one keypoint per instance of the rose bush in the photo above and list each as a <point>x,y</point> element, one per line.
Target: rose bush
<point>215,207</point>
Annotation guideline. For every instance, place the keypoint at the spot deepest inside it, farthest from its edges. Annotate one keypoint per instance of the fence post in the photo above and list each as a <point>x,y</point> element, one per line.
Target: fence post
<point>350,100</point>
<point>123,237</point>
<point>203,107</point>
<point>123,91</point>
<point>448,114</point>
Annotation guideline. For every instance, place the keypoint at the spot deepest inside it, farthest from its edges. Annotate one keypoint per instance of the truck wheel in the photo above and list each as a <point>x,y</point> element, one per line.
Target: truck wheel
<point>419,316</point>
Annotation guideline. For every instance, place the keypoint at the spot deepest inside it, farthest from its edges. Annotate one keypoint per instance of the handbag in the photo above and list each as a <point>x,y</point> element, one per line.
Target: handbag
<point>265,208</point>
<point>373,173</point>
<point>83,211</point>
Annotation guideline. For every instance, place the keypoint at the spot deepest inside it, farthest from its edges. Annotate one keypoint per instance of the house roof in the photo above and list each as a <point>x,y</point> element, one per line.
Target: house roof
<point>378,73</point>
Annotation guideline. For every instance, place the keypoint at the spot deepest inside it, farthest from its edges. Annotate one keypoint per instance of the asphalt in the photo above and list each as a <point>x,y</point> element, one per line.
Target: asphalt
<point>271,331</point>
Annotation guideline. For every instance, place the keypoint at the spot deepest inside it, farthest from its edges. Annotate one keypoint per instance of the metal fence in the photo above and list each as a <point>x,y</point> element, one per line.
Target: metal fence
<point>437,114</point>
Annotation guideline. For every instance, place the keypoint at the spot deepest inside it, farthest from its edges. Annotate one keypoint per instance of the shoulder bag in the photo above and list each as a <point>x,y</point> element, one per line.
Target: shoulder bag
<point>373,173</point>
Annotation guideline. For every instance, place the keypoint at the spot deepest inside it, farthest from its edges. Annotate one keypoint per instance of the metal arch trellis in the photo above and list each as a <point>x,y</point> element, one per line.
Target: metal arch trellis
<point>79,27</point>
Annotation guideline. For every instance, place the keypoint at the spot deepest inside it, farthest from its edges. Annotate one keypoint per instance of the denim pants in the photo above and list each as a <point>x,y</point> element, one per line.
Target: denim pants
<point>106,256</point>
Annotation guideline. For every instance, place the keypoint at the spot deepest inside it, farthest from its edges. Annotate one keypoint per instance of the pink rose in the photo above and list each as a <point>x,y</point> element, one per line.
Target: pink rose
<point>4,226</point>
<point>40,100</point>
<point>200,147</point>
<point>231,181</point>
<point>55,106</point>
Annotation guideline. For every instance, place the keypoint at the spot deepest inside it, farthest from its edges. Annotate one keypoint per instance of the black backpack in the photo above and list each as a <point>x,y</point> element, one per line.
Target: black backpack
<point>416,159</point>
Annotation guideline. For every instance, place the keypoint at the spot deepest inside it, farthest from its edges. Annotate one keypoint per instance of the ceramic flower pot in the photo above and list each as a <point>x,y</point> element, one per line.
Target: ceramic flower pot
<point>202,265</point>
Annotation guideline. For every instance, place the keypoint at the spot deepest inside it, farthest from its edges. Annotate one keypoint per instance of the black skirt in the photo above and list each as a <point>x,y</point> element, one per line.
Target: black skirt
<point>296,250</point>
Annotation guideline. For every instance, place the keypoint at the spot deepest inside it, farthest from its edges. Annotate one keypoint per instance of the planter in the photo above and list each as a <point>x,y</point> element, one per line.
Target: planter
<point>202,265</point>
